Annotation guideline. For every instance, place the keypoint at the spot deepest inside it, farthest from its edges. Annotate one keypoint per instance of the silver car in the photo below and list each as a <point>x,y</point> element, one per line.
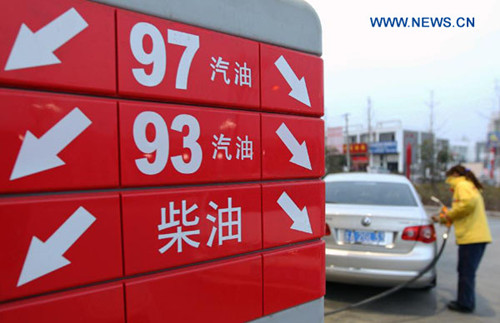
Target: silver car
<point>377,231</point>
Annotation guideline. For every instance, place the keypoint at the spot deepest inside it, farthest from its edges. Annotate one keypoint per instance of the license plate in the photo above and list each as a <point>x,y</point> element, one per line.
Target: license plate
<point>364,237</point>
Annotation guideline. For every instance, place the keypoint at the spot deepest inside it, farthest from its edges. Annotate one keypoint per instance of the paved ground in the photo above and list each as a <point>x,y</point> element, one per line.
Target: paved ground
<point>426,306</point>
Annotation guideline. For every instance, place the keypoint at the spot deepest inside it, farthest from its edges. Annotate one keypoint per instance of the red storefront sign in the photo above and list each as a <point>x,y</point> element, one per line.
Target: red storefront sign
<point>54,242</point>
<point>360,159</point>
<point>291,81</point>
<point>227,291</point>
<point>57,142</point>
<point>292,147</point>
<point>168,228</point>
<point>292,212</point>
<point>162,59</point>
<point>356,148</point>
<point>167,144</point>
<point>61,44</point>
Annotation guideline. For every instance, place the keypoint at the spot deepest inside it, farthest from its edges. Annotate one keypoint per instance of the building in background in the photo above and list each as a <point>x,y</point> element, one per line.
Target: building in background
<point>463,151</point>
<point>481,152</point>
<point>390,148</point>
<point>335,138</point>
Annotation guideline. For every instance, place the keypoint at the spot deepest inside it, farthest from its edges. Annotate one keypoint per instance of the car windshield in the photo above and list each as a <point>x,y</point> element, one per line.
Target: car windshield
<point>369,193</point>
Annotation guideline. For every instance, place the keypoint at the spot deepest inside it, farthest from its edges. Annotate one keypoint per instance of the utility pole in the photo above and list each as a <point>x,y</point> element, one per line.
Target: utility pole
<point>495,127</point>
<point>431,105</point>
<point>497,91</point>
<point>369,112</point>
<point>348,152</point>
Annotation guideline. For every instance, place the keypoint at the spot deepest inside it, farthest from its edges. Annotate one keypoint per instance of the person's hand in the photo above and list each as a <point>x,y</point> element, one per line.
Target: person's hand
<point>435,218</point>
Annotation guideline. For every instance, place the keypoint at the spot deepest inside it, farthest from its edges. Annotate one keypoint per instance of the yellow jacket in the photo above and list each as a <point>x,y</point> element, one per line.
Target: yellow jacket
<point>467,212</point>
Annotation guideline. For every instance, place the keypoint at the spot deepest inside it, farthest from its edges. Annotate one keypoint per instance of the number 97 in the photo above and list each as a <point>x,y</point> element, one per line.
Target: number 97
<point>158,55</point>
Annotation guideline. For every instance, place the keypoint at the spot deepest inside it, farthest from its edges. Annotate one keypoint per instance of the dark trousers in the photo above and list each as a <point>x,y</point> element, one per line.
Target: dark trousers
<point>469,257</point>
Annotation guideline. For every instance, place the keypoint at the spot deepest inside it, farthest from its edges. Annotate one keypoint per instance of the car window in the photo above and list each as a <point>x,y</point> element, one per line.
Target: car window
<point>369,193</point>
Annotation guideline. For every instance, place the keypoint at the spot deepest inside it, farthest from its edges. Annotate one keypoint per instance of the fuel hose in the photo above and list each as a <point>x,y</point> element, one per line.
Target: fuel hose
<point>398,287</point>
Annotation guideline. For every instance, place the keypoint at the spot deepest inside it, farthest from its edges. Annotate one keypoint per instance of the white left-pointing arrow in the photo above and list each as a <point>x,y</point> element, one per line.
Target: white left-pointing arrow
<point>299,87</point>
<point>37,49</point>
<point>37,155</point>
<point>299,217</point>
<point>46,257</point>
<point>300,156</point>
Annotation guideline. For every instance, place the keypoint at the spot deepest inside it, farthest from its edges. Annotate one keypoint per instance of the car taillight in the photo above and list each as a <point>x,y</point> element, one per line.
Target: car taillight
<point>422,233</point>
<point>327,230</point>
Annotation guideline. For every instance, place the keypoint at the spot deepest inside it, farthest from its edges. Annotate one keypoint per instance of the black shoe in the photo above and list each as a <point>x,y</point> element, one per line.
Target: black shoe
<point>454,306</point>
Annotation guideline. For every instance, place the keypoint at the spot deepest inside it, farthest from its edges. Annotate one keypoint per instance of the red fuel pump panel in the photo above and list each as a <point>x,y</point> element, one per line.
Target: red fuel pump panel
<point>168,228</point>
<point>171,144</point>
<point>293,276</point>
<point>291,81</point>
<point>56,142</point>
<point>292,212</point>
<point>55,242</point>
<point>100,304</point>
<point>292,147</point>
<point>162,59</point>
<point>227,291</point>
<point>61,44</point>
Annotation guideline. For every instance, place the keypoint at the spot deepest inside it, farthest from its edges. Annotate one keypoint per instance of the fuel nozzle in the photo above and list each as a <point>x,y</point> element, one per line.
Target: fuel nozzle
<point>443,212</point>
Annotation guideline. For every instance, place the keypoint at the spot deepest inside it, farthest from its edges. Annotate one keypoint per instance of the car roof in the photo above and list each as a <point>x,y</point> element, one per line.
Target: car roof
<point>366,177</point>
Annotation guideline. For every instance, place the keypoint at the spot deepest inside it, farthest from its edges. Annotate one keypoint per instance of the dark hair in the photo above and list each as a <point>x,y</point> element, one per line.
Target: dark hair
<point>462,171</point>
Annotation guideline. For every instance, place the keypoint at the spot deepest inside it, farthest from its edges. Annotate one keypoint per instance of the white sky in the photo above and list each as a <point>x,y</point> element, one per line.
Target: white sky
<point>398,67</point>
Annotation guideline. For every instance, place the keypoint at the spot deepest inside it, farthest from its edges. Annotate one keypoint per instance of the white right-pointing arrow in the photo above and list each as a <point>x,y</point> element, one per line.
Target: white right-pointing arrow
<point>300,156</point>
<point>299,88</point>
<point>40,154</point>
<point>37,49</point>
<point>46,257</point>
<point>299,217</point>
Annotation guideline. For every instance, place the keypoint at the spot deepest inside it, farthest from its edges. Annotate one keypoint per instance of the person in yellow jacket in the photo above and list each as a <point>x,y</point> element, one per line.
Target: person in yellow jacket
<point>472,233</point>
